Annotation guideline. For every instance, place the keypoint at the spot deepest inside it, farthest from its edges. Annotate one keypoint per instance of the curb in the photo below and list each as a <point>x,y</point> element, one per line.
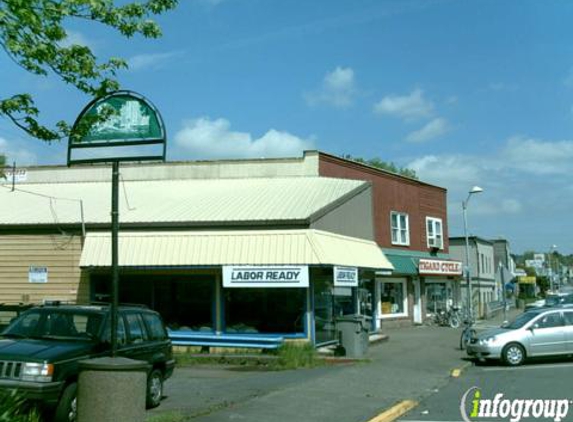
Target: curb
<point>395,411</point>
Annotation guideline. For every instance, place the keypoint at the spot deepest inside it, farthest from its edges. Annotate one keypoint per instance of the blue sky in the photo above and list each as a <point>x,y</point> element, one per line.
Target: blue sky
<point>464,92</point>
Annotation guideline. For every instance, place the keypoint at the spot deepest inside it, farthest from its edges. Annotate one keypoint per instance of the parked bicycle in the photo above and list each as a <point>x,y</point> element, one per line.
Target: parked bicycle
<point>468,332</point>
<point>448,318</point>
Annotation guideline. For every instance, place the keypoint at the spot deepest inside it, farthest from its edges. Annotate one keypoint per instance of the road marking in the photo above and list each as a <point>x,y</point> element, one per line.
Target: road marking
<point>519,368</point>
<point>395,411</point>
<point>408,420</point>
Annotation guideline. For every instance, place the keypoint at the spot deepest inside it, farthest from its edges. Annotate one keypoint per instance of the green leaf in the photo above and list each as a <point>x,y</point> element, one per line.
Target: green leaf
<point>31,34</point>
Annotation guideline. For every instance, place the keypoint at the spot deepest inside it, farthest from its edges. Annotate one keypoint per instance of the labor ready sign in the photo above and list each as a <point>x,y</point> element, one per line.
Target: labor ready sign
<point>265,276</point>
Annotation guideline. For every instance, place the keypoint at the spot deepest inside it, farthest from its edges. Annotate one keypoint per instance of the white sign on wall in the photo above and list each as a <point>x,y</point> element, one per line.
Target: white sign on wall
<point>265,276</point>
<point>37,274</point>
<point>346,276</point>
<point>439,267</point>
<point>20,176</point>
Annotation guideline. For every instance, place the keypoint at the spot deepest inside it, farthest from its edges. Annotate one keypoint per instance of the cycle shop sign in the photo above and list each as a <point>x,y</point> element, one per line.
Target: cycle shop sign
<point>439,267</point>
<point>265,276</point>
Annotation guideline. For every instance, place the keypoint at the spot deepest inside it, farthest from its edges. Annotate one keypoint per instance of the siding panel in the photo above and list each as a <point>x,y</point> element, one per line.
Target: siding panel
<point>59,253</point>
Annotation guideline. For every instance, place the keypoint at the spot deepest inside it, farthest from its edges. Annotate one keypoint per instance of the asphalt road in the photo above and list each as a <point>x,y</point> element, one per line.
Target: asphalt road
<point>547,380</point>
<point>411,365</point>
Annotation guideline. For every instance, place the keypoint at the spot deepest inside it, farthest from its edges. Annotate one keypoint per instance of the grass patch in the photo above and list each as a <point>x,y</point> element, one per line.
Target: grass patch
<point>168,417</point>
<point>288,356</point>
<point>293,356</point>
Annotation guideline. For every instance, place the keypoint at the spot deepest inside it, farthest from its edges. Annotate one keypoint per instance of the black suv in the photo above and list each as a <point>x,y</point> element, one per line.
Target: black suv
<point>40,351</point>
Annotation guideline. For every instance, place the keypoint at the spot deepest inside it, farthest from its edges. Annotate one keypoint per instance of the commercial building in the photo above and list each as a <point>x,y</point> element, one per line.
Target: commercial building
<point>264,246</point>
<point>410,225</point>
<point>482,271</point>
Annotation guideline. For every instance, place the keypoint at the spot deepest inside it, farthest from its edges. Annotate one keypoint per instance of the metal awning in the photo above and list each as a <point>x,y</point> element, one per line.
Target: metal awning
<point>214,248</point>
<point>404,265</point>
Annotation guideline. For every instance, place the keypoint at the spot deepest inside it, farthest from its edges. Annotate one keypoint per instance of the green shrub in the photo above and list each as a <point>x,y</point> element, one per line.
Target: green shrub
<point>293,355</point>
<point>14,408</point>
<point>168,417</point>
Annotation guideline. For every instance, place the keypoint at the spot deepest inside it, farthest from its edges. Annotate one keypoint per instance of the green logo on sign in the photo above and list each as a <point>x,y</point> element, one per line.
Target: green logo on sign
<point>122,119</point>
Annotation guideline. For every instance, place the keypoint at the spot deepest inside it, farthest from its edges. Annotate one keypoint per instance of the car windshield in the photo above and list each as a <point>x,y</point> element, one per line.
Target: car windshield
<point>552,300</point>
<point>521,320</point>
<point>57,324</point>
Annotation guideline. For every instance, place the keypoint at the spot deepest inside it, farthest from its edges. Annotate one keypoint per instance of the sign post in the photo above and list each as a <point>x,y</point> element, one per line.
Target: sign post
<point>121,126</point>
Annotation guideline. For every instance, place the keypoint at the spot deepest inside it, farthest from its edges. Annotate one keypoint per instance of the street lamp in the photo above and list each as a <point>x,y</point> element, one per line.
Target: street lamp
<point>475,189</point>
<point>550,267</point>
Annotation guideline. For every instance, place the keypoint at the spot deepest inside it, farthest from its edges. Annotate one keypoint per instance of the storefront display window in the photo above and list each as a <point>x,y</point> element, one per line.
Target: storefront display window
<point>331,302</point>
<point>253,310</point>
<point>393,298</point>
<point>324,311</point>
<point>438,297</point>
<point>184,301</point>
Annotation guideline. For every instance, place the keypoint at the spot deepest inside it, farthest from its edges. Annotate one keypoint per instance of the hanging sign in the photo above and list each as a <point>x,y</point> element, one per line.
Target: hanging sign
<point>122,126</point>
<point>265,276</point>
<point>439,267</point>
<point>37,274</point>
<point>346,276</point>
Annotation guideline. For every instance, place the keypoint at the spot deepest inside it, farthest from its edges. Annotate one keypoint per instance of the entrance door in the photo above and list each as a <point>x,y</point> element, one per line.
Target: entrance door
<point>417,302</point>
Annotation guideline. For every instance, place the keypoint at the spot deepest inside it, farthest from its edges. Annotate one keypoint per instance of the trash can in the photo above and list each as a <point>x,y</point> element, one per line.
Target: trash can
<point>353,332</point>
<point>112,389</point>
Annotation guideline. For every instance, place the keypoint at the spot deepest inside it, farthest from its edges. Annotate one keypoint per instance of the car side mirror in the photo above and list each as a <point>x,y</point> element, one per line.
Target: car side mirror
<point>505,324</point>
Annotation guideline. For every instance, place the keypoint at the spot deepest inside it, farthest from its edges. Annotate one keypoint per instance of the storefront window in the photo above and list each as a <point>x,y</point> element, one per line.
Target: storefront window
<point>184,301</point>
<point>393,298</point>
<point>324,311</point>
<point>251,310</point>
<point>438,297</point>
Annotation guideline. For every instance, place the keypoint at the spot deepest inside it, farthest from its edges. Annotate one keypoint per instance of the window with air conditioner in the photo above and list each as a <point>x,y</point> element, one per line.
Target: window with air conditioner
<point>434,232</point>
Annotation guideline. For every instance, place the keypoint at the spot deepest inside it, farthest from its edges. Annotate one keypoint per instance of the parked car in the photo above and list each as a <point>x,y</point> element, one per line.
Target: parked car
<point>551,301</point>
<point>540,332</point>
<point>41,349</point>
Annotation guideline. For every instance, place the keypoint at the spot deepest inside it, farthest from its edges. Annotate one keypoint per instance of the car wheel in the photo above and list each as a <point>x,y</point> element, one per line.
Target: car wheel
<point>67,409</point>
<point>154,388</point>
<point>513,354</point>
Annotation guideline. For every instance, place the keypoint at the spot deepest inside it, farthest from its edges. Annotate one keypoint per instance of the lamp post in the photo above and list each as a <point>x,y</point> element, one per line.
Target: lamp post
<point>504,296</point>
<point>550,267</point>
<point>475,189</point>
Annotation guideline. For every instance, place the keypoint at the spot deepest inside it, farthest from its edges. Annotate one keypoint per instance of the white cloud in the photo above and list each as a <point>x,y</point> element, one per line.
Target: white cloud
<point>449,171</point>
<point>511,206</point>
<point>151,61</point>
<point>452,99</point>
<point>338,89</point>
<point>407,107</point>
<point>435,128</point>
<point>205,138</point>
<point>13,153</point>
<point>76,37</point>
<point>521,174</point>
<point>539,157</point>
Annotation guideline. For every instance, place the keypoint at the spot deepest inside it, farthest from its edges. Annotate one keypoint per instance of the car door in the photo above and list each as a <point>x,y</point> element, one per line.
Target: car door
<point>547,335</point>
<point>138,346</point>
<point>568,317</point>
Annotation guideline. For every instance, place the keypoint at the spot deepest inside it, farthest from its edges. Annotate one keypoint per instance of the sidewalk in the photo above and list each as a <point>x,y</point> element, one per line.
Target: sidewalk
<point>411,365</point>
